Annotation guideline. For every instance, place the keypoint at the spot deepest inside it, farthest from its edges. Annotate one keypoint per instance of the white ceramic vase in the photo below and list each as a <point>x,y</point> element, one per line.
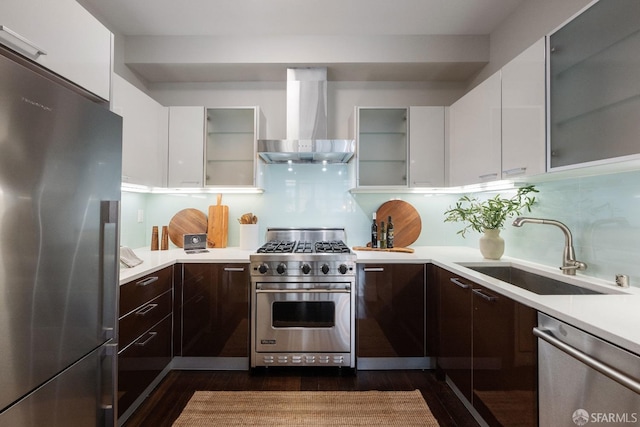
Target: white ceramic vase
<point>491,244</point>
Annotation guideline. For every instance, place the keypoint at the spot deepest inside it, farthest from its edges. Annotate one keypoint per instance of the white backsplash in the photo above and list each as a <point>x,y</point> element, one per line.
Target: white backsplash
<point>603,213</point>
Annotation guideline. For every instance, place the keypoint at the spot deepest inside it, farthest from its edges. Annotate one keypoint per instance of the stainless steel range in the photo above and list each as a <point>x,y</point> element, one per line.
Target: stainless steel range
<point>303,299</point>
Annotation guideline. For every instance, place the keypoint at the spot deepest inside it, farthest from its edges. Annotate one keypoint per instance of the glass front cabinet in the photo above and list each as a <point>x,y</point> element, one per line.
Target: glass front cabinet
<point>400,146</point>
<point>594,101</point>
<point>381,135</point>
<point>230,146</point>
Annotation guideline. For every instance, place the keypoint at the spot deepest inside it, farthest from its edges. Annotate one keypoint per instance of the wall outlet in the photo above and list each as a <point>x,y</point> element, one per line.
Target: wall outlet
<point>140,215</point>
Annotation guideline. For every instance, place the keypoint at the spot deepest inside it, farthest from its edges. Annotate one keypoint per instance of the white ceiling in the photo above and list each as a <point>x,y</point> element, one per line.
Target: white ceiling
<point>257,18</point>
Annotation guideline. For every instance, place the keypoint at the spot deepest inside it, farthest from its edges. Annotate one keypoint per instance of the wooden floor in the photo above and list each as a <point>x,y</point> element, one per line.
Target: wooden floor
<point>165,404</point>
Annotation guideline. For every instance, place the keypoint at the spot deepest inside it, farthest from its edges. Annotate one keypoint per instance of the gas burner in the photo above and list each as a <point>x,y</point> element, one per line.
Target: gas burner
<point>304,247</point>
<point>334,246</point>
<point>277,247</point>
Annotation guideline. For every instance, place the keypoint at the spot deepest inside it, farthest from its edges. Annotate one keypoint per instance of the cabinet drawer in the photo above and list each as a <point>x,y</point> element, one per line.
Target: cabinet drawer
<point>140,291</point>
<point>140,363</point>
<point>140,320</point>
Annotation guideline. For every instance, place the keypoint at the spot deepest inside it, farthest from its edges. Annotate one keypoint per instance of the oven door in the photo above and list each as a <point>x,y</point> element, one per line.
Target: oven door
<point>303,320</point>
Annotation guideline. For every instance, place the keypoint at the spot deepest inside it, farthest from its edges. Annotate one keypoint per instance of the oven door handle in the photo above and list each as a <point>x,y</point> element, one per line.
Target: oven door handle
<point>304,291</point>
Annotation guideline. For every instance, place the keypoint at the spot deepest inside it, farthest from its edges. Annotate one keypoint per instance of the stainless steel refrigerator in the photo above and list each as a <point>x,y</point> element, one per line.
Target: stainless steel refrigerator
<point>60,171</point>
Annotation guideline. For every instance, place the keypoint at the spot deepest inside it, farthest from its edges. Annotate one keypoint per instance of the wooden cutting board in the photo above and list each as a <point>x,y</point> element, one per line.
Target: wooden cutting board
<point>187,221</point>
<point>367,248</point>
<point>218,229</point>
<point>407,224</point>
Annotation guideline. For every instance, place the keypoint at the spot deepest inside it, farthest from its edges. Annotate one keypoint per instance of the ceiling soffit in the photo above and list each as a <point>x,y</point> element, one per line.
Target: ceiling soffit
<point>347,58</point>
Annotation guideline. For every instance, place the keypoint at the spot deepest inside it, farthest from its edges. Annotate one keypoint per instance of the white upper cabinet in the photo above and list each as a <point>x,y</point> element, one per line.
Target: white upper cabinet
<point>475,141</point>
<point>186,146</point>
<point>400,147</point>
<point>426,146</point>
<point>498,128</point>
<point>61,36</point>
<point>523,113</point>
<point>144,135</point>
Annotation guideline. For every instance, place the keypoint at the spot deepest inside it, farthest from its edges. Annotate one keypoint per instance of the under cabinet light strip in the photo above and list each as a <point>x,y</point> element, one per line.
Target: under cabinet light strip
<point>135,188</point>
<point>473,188</point>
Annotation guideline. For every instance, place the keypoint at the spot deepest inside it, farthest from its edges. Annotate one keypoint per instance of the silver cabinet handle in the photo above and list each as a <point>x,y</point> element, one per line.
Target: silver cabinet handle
<point>593,363</point>
<point>515,171</point>
<point>373,269</point>
<point>147,281</point>
<point>152,335</point>
<point>233,269</point>
<point>109,386</point>
<point>489,298</point>
<point>457,282</point>
<point>37,50</point>
<point>488,175</point>
<point>146,309</point>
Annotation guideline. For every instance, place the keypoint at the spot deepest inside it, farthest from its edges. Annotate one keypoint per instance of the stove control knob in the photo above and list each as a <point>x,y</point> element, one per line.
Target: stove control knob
<point>281,268</point>
<point>325,268</point>
<point>306,268</point>
<point>343,269</point>
<point>263,268</point>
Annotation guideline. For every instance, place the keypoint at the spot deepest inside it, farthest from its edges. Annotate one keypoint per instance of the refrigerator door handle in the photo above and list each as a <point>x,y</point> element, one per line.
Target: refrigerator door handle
<point>110,211</point>
<point>110,385</point>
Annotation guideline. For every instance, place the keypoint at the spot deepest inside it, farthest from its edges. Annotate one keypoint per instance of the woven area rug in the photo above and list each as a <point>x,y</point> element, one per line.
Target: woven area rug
<point>306,408</point>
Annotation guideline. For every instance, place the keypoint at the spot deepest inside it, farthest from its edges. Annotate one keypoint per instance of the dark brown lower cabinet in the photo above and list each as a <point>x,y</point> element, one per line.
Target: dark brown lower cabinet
<point>144,334</point>
<point>213,305</point>
<point>488,351</point>
<point>504,360</point>
<point>142,361</point>
<point>455,320</point>
<point>390,310</point>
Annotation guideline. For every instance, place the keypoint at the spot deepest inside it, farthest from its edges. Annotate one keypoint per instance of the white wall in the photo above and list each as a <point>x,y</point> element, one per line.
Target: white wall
<point>531,21</point>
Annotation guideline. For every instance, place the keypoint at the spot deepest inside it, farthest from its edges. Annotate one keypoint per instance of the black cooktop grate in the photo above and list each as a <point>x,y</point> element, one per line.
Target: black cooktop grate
<point>304,247</point>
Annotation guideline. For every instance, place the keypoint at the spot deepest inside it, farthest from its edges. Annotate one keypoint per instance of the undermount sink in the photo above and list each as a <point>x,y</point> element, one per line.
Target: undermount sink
<point>532,282</point>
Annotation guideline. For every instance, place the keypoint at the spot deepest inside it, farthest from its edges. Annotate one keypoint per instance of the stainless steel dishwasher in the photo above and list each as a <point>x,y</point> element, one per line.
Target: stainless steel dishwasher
<point>584,379</point>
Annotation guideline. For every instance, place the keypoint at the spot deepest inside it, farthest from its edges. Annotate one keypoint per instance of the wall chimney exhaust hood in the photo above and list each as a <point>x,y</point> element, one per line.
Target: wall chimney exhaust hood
<point>306,124</point>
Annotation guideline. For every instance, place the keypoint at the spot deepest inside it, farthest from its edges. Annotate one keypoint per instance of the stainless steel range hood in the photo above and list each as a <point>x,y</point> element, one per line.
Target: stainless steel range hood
<point>306,124</point>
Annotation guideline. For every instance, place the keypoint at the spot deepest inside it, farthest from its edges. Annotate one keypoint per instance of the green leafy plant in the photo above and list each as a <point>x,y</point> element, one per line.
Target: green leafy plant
<point>491,213</point>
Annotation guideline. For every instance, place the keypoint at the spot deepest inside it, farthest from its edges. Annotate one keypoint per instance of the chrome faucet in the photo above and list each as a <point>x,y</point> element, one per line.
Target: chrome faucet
<point>569,262</point>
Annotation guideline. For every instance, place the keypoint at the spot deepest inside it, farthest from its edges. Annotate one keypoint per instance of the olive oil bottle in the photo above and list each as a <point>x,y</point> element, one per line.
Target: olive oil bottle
<point>374,232</point>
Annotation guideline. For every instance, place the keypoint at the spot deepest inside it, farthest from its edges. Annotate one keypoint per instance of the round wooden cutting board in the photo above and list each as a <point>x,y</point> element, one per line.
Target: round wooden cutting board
<point>187,221</point>
<point>407,224</point>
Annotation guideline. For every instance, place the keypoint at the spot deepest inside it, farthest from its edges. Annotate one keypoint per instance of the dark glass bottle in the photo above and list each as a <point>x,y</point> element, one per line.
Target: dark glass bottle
<point>389,233</point>
<point>383,236</point>
<point>374,232</point>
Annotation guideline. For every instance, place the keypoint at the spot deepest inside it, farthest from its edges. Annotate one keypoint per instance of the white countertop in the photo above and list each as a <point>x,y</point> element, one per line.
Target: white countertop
<point>614,317</point>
